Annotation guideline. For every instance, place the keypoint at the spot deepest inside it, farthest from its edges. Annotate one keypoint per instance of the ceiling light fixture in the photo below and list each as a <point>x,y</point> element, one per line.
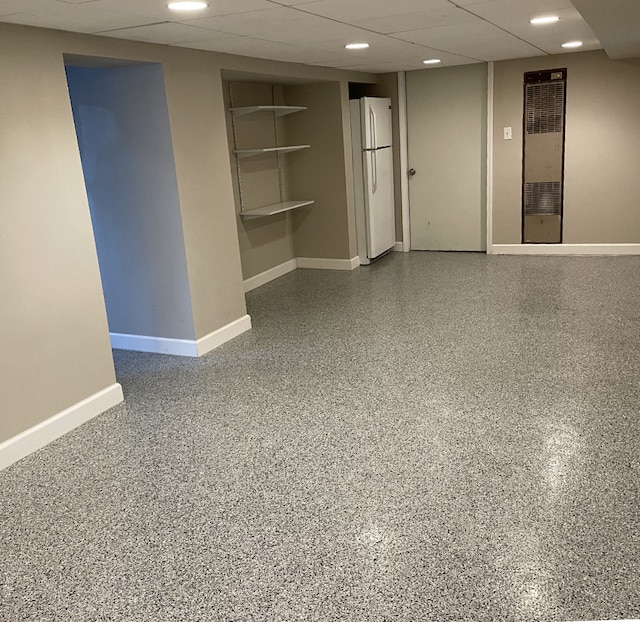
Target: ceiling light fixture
<point>187,6</point>
<point>432,61</point>
<point>357,46</point>
<point>549,19</point>
<point>572,44</point>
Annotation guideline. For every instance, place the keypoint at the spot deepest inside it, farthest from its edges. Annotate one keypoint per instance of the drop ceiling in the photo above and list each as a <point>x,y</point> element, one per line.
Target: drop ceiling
<point>401,33</point>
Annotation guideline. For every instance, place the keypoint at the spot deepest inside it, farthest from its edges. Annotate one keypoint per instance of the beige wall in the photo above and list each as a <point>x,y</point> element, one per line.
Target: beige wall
<point>264,242</point>
<point>323,172</point>
<point>55,341</point>
<point>196,110</point>
<point>602,147</point>
<point>56,349</point>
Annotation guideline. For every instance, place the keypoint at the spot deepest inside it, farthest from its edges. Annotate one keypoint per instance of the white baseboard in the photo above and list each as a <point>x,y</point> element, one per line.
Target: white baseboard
<point>565,249</point>
<point>157,345</point>
<point>319,263</point>
<point>270,275</point>
<point>226,333</point>
<point>181,347</point>
<point>398,247</point>
<point>49,430</point>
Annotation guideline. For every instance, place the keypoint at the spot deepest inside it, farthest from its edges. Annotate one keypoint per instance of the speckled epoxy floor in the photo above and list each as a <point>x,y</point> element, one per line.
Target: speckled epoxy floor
<point>434,437</point>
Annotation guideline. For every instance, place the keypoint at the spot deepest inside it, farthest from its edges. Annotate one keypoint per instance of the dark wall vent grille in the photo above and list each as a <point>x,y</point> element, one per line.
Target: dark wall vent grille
<point>545,107</point>
<point>543,198</point>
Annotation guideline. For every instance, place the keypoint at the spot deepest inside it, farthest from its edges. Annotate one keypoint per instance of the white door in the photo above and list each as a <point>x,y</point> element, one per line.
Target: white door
<point>446,118</point>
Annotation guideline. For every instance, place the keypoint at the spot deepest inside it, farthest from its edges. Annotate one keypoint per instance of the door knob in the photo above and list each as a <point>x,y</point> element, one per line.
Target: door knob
<point>412,172</point>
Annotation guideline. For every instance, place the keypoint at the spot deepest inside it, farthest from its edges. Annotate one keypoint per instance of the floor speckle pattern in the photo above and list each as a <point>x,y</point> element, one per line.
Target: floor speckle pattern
<point>434,437</point>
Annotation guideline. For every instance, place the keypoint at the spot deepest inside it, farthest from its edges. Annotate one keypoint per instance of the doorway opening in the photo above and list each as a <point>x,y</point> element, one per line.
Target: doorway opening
<point>122,126</point>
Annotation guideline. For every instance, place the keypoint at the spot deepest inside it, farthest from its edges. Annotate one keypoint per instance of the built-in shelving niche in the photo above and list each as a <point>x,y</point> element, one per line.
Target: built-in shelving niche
<point>266,116</point>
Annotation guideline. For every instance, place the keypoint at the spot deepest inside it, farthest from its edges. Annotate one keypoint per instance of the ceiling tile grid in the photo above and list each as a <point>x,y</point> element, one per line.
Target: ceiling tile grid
<point>401,33</point>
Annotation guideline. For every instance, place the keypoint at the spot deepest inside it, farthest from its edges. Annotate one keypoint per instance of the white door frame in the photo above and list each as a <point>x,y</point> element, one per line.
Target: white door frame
<point>489,208</point>
<point>404,161</point>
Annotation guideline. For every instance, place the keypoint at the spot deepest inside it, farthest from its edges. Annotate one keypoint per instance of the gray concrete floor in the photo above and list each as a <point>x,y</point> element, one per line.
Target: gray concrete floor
<point>433,437</point>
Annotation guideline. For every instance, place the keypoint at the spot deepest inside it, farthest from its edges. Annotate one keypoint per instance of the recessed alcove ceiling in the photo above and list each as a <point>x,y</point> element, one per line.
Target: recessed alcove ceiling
<point>401,34</point>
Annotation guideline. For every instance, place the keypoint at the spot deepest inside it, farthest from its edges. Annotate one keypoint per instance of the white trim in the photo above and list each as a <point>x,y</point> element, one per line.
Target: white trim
<point>490,146</point>
<point>222,335</point>
<point>181,347</point>
<point>319,263</point>
<point>404,160</point>
<point>565,249</point>
<point>398,247</point>
<point>49,430</point>
<point>269,275</point>
<point>157,345</point>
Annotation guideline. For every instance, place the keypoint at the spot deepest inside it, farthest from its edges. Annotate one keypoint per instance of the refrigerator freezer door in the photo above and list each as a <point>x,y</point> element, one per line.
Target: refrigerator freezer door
<point>376,122</point>
<point>379,214</point>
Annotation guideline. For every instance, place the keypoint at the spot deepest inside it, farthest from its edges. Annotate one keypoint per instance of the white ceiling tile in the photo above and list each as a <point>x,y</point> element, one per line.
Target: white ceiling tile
<point>382,67</point>
<point>371,9</point>
<point>517,7</point>
<point>282,25</point>
<point>257,48</point>
<point>214,42</point>
<point>515,15</point>
<point>385,17</point>
<point>479,40</point>
<point>87,17</point>
<point>247,46</point>
<point>417,20</point>
<point>291,2</point>
<point>157,10</point>
<point>389,49</point>
<point>229,7</point>
<point>470,2</point>
<point>510,11</point>
<point>167,33</point>
<point>8,7</point>
<point>401,33</point>
<point>549,37</point>
<point>616,24</point>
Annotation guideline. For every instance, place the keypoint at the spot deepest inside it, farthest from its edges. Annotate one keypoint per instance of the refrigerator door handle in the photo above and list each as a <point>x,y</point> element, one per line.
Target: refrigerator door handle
<point>373,129</point>
<point>374,171</point>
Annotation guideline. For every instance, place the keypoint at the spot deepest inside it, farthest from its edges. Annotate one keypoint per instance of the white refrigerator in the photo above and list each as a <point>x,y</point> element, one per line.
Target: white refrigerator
<point>373,176</point>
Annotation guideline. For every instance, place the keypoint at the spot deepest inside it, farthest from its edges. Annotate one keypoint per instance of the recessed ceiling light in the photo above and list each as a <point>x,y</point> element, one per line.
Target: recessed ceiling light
<point>187,6</point>
<point>549,19</point>
<point>357,46</point>
<point>432,61</point>
<point>572,44</point>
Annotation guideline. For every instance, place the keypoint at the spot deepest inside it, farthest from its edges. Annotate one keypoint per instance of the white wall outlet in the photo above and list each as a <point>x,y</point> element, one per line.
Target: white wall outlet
<point>508,135</point>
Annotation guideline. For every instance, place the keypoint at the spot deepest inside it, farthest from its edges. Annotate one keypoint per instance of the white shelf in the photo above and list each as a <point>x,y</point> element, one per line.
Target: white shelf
<point>279,111</point>
<point>247,153</point>
<point>275,208</point>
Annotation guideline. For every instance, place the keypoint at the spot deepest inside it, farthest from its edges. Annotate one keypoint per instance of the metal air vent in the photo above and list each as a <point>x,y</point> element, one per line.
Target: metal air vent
<point>543,198</point>
<point>544,107</point>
